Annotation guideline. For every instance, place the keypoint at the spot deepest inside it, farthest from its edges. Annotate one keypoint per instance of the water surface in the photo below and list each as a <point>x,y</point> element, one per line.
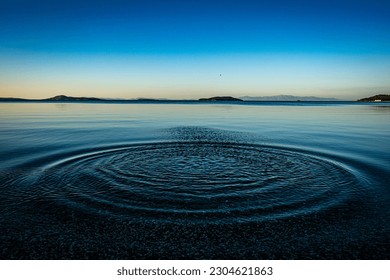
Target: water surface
<point>267,180</point>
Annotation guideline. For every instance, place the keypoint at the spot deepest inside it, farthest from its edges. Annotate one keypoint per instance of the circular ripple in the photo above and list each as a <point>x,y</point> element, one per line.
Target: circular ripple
<point>199,181</point>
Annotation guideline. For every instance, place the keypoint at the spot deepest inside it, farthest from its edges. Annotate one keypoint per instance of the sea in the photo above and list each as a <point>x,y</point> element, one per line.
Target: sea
<point>194,180</point>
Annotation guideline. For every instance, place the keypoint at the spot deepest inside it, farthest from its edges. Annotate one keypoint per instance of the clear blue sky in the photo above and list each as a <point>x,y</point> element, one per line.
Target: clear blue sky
<point>191,49</point>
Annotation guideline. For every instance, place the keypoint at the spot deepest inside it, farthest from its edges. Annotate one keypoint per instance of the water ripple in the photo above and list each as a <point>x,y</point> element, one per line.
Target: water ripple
<point>198,181</point>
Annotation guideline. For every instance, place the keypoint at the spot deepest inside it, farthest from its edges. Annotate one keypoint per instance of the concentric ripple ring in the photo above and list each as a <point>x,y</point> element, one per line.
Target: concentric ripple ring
<point>199,181</point>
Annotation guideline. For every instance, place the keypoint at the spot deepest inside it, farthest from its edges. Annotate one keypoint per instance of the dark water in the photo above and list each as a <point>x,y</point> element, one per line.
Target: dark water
<point>194,181</point>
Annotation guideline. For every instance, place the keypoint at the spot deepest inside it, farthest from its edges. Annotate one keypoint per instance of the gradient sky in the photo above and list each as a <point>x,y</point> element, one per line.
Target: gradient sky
<point>191,49</point>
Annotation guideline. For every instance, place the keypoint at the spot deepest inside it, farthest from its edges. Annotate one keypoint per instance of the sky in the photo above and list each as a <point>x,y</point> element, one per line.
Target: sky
<point>191,49</point>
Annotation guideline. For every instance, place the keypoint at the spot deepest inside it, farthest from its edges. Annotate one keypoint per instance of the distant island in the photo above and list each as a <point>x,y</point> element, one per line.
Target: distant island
<point>58,98</point>
<point>287,98</point>
<point>220,98</point>
<point>376,98</point>
<point>70,98</point>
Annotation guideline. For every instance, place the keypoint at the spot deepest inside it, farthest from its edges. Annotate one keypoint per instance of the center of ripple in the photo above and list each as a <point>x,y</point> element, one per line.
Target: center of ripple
<point>199,182</point>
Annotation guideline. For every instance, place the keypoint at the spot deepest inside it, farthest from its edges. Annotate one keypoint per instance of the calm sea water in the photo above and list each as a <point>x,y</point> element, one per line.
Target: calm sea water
<point>195,181</point>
